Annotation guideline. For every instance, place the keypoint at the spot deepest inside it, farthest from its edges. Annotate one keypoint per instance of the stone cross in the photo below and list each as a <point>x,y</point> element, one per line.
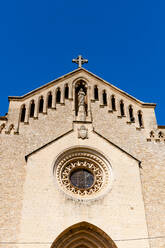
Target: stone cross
<point>80,61</point>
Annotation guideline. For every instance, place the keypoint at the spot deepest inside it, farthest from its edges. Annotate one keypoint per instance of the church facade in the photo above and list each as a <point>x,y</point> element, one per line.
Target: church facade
<point>82,164</point>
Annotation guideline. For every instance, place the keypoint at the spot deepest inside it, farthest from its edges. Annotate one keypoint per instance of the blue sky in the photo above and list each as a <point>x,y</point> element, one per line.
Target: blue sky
<point>124,42</point>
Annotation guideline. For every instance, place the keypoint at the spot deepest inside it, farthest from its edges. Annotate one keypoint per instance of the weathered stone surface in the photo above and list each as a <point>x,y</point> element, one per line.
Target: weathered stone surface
<point>33,209</point>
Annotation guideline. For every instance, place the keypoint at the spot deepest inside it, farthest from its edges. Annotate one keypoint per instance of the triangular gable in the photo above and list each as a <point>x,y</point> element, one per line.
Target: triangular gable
<point>70,74</point>
<point>59,137</point>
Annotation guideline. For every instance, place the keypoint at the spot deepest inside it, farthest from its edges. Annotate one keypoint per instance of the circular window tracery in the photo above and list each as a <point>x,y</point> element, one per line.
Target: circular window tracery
<point>83,173</point>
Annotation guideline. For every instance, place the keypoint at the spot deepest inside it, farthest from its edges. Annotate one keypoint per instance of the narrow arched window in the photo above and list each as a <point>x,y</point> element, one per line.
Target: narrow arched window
<point>140,119</point>
<point>23,112</point>
<point>160,134</point>
<point>66,91</point>
<point>2,127</point>
<point>41,104</point>
<point>50,100</point>
<point>113,102</point>
<point>132,119</point>
<point>58,95</point>
<point>96,94</point>
<point>32,107</point>
<point>152,134</point>
<point>104,97</point>
<point>122,108</point>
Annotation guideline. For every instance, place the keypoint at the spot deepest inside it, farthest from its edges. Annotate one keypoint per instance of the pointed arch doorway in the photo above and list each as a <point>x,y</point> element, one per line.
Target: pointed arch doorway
<point>83,235</point>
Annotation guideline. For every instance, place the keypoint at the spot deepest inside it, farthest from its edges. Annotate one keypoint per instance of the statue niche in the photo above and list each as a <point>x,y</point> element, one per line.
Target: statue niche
<point>81,107</point>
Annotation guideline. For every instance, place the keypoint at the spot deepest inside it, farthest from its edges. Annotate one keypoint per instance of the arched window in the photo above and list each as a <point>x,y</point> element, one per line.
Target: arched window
<point>2,127</point>
<point>50,100</point>
<point>152,134</point>
<point>113,102</point>
<point>122,108</point>
<point>32,107</point>
<point>96,94</point>
<point>23,112</point>
<point>132,119</point>
<point>10,128</point>
<point>160,134</point>
<point>140,119</point>
<point>41,104</point>
<point>104,97</point>
<point>58,96</point>
<point>66,91</point>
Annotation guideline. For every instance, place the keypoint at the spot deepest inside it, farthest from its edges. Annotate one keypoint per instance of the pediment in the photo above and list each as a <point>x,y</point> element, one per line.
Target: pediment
<point>97,140</point>
<point>79,74</point>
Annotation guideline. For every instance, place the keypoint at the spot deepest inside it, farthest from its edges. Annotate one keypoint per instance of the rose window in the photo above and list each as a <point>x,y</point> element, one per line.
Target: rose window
<point>83,174</point>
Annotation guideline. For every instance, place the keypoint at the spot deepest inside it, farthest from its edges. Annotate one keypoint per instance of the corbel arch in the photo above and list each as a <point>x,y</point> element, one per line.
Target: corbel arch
<point>83,235</point>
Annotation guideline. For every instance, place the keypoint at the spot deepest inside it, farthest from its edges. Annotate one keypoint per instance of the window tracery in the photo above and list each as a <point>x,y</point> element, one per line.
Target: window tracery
<point>83,175</point>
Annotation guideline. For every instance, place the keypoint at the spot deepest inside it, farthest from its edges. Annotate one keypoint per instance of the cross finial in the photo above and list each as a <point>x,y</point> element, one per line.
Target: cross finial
<point>80,61</point>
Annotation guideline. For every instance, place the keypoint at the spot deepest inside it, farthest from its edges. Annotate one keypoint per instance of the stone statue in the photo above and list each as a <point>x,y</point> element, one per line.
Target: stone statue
<point>81,105</point>
<point>81,98</point>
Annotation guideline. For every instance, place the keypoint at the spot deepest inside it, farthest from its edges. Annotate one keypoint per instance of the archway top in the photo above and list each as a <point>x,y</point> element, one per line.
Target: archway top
<point>78,79</point>
<point>83,233</point>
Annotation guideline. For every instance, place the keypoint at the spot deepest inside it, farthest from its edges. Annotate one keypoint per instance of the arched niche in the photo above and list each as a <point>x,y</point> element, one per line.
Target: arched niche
<point>83,235</point>
<point>80,84</point>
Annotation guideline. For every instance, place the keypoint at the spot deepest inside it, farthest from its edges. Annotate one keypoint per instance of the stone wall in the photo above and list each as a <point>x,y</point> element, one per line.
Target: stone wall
<point>24,138</point>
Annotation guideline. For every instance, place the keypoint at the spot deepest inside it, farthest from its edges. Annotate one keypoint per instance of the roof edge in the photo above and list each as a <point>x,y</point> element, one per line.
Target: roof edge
<point>43,86</point>
<point>3,118</point>
<point>26,156</point>
<point>94,75</point>
<point>121,91</point>
<point>161,126</point>
<point>130,155</point>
